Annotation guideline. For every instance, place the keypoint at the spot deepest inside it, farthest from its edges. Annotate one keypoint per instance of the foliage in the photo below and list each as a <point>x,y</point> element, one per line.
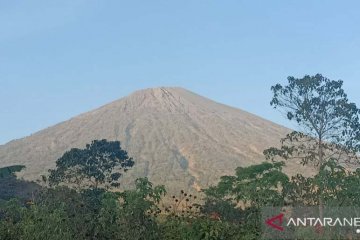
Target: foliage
<point>63,213</point>
<point>329,128</point>
<point>328,123</point>
<point>11,186</point>
<point>33,222</point>
<point>187,218</point>
<point>184,205</point>
<point>203,228</point>
<point>140,210</point>
<point>10,171</point>
<point>223,209</point>
<point>251,188</point>
<point>338,186</point>
<point>98,165</point>
<point>256,185</point>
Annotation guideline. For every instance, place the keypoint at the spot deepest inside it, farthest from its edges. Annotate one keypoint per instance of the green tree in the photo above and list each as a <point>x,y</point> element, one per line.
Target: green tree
<point>10,171</point>
<point>63,213</point>
<point>33,222</point>
<point>140,210</point>
<point>328,123</point>
<point>338,186</point>
<point>98,165</point>
<point>255,186</point>
<point>252,187</point>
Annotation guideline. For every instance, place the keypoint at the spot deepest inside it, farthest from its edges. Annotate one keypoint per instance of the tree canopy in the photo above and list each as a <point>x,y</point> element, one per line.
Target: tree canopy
<point>328,126</point>
<point>256,185</point>
<point>11,170</point>
<point>98,165</point>
<point>328,123</point>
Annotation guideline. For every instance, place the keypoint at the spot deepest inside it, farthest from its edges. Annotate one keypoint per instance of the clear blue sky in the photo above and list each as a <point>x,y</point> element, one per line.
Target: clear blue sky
<point>62,58</point>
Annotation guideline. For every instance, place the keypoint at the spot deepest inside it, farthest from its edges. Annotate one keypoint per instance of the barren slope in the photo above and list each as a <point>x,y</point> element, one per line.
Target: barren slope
<point>176,137</point>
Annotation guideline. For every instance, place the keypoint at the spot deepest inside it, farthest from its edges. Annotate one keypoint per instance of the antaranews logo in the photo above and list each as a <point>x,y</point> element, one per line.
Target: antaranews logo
<point>276,222</point>
<point>306,223</point>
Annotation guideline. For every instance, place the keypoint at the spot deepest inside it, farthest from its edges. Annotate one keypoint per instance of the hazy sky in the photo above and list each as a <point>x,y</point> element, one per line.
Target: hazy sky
<point>62,58</point>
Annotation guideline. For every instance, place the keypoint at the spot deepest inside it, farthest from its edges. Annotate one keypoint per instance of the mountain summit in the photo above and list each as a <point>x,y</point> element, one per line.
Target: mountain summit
<point>176,138</point>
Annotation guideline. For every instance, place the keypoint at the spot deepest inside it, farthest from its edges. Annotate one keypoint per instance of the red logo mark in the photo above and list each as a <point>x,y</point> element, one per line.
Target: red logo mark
<point>276,222</point>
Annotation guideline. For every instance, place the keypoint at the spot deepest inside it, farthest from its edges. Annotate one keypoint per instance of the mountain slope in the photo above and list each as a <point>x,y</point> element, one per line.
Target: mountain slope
<point>176,138</point>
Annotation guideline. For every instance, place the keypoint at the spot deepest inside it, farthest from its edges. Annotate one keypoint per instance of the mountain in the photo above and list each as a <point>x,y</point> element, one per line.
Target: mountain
<point>176,138</point>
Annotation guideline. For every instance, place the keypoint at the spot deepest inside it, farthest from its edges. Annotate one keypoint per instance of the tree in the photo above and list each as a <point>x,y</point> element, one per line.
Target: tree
<point>252,187</point>
<point>98,165</point>
<point>338,186</point>
<point>10,171</point>
<point>328,123</point>
<point>139,209</point>
<point>256,185</point>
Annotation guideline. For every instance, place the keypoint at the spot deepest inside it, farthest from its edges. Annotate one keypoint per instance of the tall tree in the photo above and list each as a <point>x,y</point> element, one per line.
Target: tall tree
<point>98,165</point>
<point>328,124</point>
